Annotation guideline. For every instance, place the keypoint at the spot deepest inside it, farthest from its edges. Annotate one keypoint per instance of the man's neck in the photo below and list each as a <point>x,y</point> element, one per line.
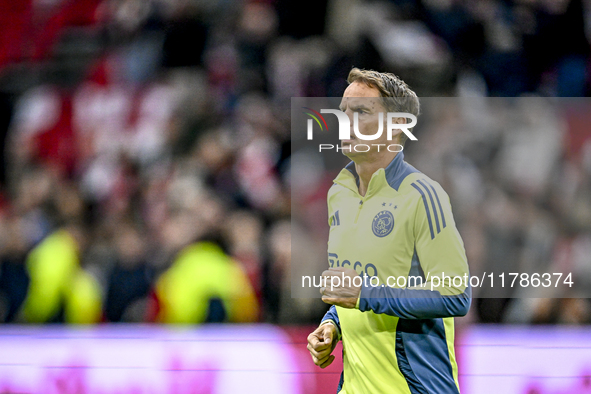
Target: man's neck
<point>366,169</point>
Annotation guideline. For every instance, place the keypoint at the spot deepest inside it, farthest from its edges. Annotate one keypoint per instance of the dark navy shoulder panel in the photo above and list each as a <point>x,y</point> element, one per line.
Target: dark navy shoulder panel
<point>397,170</point>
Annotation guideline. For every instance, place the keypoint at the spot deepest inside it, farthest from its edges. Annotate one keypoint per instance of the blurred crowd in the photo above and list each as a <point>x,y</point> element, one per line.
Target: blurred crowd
<point>146,163</point>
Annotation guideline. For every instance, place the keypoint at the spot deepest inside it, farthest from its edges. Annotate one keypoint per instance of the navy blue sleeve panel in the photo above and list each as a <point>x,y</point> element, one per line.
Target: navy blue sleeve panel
<point>334,317</point>
<point>414,304</point>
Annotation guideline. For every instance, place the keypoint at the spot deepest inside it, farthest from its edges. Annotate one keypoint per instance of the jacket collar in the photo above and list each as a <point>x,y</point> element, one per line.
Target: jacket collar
<point>395,172</point>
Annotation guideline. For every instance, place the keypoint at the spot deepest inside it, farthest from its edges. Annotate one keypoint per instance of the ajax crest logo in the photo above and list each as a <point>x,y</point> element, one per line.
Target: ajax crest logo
<point>382,223</point>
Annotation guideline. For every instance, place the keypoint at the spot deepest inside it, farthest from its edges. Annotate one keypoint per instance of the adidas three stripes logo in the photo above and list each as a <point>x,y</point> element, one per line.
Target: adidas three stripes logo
<point>426,189</point>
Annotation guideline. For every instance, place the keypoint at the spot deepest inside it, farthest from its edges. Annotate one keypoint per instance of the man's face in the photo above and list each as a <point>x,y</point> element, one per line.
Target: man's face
<point>366,102</point>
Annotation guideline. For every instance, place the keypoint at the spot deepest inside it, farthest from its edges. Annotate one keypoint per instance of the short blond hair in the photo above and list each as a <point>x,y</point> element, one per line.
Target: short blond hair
<point>396,95</point>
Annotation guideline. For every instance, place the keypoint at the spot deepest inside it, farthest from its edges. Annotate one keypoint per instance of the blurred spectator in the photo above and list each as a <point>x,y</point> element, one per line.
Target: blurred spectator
<point>204,285</point>
<point>60,290</point>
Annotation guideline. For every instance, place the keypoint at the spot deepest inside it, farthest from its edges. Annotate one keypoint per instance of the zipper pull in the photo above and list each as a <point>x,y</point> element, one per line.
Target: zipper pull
<point>358,211</point>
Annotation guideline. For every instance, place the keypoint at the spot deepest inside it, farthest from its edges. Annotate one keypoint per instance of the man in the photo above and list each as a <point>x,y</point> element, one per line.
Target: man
<point>388,220</point>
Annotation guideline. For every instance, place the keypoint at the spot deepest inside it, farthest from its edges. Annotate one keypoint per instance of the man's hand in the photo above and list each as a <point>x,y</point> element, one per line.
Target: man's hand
<point>344,292</point>
<point>321,343</point>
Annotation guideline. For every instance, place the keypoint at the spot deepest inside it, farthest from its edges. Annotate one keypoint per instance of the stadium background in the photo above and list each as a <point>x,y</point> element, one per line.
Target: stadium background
<point>138,135</point>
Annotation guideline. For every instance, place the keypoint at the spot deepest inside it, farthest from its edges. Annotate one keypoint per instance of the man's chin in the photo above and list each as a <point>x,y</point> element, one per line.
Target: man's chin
<point>347,149</point>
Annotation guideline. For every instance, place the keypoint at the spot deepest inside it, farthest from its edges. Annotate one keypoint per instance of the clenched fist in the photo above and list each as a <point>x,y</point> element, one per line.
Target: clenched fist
<point>343,286</point>
<point>321,343</point>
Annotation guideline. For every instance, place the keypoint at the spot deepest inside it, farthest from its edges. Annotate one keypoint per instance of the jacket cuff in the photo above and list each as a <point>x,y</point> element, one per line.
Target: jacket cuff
<point>334,324</point>
<point>363,301</point>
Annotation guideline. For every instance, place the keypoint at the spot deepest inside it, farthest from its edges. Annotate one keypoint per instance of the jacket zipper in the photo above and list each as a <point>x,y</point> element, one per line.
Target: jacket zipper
<point>359,210</point>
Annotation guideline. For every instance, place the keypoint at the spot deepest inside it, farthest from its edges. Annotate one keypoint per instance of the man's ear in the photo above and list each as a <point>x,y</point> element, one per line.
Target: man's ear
<point>399,120</point>
<point>397,133</point>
